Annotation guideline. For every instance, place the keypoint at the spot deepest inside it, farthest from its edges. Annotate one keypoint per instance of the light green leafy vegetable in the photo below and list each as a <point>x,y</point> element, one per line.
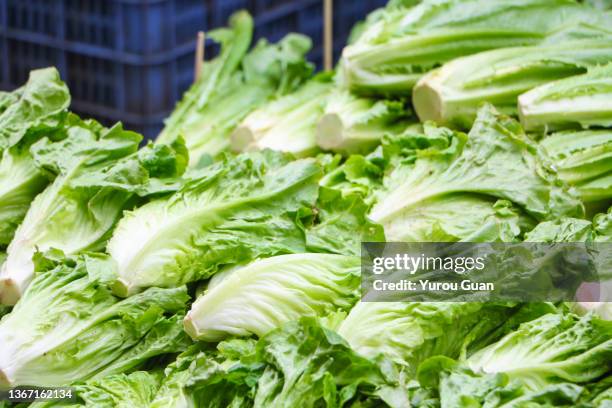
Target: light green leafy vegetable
<point>234,84</point>
<point>495,162</point>
<point>403,44</point>
<point>115,391</point>
<point>38,106</point>
<point>354,124</point>
<point>225,214</point>
<point>584,100</point>
<point>340,224</point>
<point>286,124</point>
<point>561,230</point>
<point>409,332</point>
<point>453,93</point>
<point>459,387</point>
<point>68,326</point>
<point>602,223</point>
<point>300,363</point>
<point>267,293</point>
<point>26,115</point>
<point>98,174</point>
<point>551,349</point>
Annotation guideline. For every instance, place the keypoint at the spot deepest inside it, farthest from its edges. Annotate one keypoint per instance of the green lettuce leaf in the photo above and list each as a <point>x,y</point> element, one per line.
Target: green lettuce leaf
<point>459,387</point>
<point>97,174</point>
<point>265,294</point>
<point>554,348</point>
<point>298,364</point>
<point>39,106</point>
<point>68,326</point>
<point>563,230</point>
<point>495,162</point>
<point>115,391</point>
<point>408,333</point>
<point>228,213</point>
<point>340,223</point>
<point>26,115</point>
<point>20,182</point>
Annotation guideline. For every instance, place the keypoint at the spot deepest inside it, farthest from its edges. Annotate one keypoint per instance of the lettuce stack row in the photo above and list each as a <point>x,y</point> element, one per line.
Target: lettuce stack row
<point>219,266</point>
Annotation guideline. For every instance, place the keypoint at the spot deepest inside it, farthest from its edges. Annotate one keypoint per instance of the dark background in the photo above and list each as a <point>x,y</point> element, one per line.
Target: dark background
<point>130,60</point>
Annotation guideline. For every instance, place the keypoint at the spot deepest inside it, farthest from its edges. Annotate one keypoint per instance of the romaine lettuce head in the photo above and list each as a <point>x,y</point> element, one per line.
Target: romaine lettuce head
<point>409,332</point>
<point>353,124</point>
<point>228,213</point>
<point>403,44</point>
<point>36,110</point>
<point>551,349</point>
<point>298,364</point>
<point>584,100</point>
<point>69,327</point>
<point>288,123</point>
<point>98,174</point>
<point>265,294</point>
<point>453,93</point>
<point>495,162</point>
<point>233,85</point>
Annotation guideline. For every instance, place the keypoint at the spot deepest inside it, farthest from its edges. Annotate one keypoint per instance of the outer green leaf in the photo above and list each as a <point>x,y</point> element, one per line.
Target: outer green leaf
<point>341,224</point>
<point>497,161</point>
<point>225,214</point>
<point>459,387</point>
<point>300,363</point>
<point>27,114</point>
<point>20,182</point>
<point>563,230</point>
<point>68,326</point>
<point>553,348</point>
<point>115,391</point>
<point>39,106</point>
<point>267,293</point>
<point>408,333</point>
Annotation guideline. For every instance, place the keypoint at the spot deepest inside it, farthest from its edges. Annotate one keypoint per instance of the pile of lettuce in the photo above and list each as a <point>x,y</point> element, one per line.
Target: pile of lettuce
<point>219,266</point>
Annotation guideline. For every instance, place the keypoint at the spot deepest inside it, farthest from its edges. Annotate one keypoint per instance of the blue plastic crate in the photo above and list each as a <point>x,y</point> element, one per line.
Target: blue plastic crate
<point>127,60</point>
<point>131,60</point>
